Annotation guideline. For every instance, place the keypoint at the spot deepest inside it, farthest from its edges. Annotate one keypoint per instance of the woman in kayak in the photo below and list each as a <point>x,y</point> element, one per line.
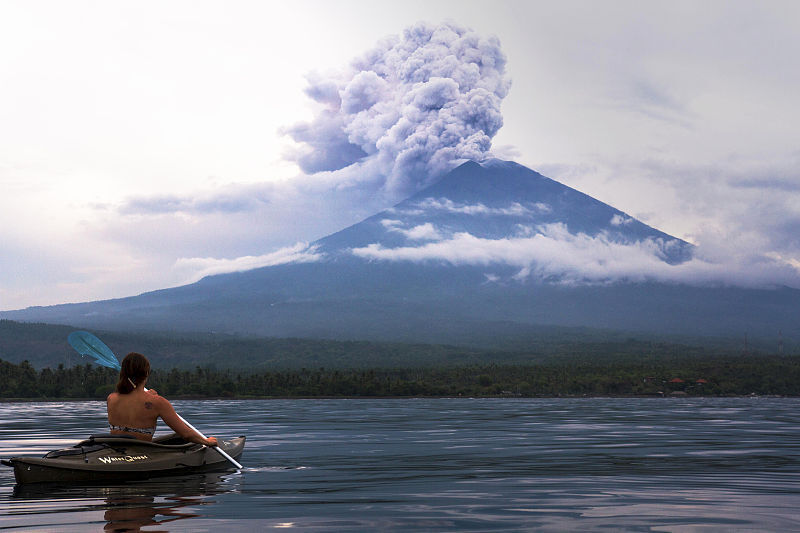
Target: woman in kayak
<point>134,411</point>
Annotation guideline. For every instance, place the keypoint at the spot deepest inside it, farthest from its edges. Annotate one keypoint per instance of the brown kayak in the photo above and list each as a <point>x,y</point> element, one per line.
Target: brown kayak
<point>116,457</point>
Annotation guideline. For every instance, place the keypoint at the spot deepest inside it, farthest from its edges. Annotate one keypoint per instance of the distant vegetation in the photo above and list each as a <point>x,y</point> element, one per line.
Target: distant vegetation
<point>37,363</point>
<point>44,345</point>
<point>716,375</point>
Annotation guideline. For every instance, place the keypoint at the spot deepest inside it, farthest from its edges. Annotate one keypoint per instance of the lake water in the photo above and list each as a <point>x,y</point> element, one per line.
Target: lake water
<point>660,464</point>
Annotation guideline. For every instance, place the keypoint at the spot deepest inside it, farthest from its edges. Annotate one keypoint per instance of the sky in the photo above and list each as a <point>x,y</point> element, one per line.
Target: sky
<point>145,144</point>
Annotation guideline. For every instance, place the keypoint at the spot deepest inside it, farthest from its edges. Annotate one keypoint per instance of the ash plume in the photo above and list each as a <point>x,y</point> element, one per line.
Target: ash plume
<point>410,109</point>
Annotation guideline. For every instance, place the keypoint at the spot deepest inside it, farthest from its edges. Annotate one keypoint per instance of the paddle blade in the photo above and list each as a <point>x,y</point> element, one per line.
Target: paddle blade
<point>87,344</point>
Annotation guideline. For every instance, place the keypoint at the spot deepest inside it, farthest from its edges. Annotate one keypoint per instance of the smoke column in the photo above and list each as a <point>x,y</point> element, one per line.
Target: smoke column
<point>408,110</point>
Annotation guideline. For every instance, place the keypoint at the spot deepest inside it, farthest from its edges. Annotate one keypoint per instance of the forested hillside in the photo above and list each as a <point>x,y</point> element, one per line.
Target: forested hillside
<point>45,345</point>
<point>37,362</point>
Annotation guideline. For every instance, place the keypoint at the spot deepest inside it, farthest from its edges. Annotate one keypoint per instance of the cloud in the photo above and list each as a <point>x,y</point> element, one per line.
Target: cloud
<point>653,99</point>
<point>231,201</point>
<point>515,209</point>
<point>620,220</point>
<point>408,110</point>
<point>556,255</point>
<point>739,210</point>
<point>422,232</point>
<point>687,91</point>
<point>741,206</point>
<point>397,117</point>
<point>199,267</point>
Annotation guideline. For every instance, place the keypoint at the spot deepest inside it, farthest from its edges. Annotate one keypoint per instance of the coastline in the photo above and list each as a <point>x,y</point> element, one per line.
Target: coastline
<point>417,397</point>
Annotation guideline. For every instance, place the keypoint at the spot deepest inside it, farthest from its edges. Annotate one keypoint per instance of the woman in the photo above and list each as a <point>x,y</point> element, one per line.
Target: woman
<point>134,411</point>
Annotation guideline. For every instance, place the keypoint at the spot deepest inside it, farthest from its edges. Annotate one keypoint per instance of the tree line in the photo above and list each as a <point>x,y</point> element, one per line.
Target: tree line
<point>714,376</point>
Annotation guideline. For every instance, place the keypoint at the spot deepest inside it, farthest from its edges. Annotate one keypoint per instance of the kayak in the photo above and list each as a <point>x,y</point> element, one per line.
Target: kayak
<point>120,457</point>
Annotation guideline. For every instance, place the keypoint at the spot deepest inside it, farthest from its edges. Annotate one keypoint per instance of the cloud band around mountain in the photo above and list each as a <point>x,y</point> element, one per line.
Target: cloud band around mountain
<point>551,253</point>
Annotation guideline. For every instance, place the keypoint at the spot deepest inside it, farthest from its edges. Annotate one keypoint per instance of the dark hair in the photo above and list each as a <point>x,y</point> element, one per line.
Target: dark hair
<point>135,367</point>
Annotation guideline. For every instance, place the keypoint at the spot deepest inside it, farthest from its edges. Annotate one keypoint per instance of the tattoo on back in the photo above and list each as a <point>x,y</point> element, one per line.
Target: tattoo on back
<point>148,405</point>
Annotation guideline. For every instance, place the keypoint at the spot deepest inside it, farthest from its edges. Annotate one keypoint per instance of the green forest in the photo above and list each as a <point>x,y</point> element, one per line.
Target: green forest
<point>45,345</point>
<point>649,376</point>
<point>36,362</point>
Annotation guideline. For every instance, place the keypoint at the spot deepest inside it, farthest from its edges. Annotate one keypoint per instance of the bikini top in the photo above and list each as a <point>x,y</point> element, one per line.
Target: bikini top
<point>144,431</point>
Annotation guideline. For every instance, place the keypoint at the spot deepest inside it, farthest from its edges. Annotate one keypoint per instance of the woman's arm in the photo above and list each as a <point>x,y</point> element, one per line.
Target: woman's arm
<point>171,418</point>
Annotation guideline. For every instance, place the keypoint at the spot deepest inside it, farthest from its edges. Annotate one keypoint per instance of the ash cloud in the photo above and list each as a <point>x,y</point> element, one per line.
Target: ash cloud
<point>410,109</point>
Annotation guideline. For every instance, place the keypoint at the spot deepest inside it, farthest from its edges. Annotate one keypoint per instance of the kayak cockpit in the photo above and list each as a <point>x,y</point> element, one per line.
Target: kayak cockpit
<point>107,440</point>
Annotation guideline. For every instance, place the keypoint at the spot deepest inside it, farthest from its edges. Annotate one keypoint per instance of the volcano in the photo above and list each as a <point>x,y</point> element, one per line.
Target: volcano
<point>491,251</point>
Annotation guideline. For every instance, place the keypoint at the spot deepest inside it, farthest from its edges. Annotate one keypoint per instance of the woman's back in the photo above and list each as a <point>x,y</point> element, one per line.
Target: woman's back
<point>133,410</point>
<point>136,410</point>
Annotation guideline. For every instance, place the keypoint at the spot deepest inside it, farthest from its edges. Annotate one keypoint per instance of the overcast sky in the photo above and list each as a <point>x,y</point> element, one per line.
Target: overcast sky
<point>141,142</point>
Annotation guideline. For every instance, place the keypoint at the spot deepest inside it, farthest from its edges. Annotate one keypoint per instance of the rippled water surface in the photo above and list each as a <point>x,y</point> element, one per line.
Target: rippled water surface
<point>438,465</point>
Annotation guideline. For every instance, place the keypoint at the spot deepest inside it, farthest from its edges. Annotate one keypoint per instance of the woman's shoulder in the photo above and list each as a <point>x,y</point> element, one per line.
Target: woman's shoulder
<point>154,398</point>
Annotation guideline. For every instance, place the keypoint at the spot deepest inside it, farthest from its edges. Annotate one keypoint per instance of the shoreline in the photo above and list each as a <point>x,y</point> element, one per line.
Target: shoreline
<point>421,397</point>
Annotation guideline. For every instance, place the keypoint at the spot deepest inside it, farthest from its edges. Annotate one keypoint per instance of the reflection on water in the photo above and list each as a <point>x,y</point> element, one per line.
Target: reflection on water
<point>136,512</point>
<point>433,465</point>
<point>124,507</point>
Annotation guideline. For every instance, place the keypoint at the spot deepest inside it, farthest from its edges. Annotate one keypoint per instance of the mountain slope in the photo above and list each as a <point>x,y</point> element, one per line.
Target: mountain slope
<point>483,256</point>
<point>496,200</point>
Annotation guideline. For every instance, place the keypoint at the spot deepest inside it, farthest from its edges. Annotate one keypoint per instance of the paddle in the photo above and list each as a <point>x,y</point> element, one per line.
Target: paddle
<point>87,344</point>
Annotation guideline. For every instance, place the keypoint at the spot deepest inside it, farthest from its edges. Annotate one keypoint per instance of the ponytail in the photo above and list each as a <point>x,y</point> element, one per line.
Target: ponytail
<point>135,368</point>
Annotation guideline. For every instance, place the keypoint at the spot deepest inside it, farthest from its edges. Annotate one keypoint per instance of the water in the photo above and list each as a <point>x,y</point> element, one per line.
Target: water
<point>440,465</point>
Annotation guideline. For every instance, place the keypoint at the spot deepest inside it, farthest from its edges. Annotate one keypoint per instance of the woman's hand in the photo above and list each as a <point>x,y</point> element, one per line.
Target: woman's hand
<point>211,441</point>
<point>152,391</point>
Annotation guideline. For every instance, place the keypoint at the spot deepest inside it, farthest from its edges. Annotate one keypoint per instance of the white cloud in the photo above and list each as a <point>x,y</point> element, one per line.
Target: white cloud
<point>559,256</point>
<point>515,209</point>
<point>198,267</point>
<point>619,220</point>
<point>733,207</point>
<point>392,224</point>
<point>422,232</point>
